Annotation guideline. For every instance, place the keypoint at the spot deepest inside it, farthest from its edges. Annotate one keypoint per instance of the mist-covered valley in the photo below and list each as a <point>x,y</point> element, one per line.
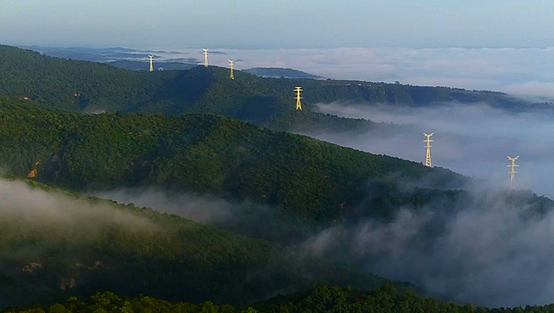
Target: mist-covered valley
<point>471,139</point>
<point>485,252</point>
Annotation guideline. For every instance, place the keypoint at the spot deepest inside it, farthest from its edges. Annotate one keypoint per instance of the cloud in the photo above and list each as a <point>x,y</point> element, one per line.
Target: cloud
<point>32,204</point>
<point>35,221</point>
<point>244,217</point>
<point>199,209</point>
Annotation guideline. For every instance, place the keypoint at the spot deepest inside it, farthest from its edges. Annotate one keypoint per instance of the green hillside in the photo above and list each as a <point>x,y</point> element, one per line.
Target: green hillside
<point>205,154</point>
<point>318,299</point>
<point>56,245</point>
<point>82,85</point>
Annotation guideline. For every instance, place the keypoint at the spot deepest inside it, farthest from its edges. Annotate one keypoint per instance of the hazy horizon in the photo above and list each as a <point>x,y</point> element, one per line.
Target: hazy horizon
<point>284,23</point>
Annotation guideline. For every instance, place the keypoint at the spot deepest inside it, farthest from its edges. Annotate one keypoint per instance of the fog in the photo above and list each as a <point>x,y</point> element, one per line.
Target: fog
<point>473,140</point>
<point>37,224</point>
<point>35,206</point>
<point>199,209</point>
<point>490,252</point>
<point>244,217</point>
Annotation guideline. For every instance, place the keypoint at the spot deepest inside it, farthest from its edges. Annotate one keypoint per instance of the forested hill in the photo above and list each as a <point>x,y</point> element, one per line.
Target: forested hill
<point>198,153</point>
<point>82,85</point>
<point>56,245</point>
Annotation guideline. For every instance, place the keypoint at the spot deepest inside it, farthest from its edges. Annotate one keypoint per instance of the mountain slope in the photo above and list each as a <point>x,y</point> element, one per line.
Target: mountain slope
<point>198,153</point>
<point>56,245</point>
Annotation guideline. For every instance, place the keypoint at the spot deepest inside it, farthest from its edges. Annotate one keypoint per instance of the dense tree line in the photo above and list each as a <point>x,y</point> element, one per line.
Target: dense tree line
<point>318,299</point>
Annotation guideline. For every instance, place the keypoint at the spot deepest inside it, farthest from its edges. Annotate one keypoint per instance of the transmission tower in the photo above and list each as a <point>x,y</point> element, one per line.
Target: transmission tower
<point>206,57</point>
<point>428,149</point>
<point>231,63</point>
<point>150,57</point>
<point>298,97</point>
<point>512,171</point>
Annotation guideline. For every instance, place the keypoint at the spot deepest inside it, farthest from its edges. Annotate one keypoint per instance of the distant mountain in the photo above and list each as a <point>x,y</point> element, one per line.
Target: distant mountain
<point>277,72</point>
<point>144,66</point>
<point>93,54</point>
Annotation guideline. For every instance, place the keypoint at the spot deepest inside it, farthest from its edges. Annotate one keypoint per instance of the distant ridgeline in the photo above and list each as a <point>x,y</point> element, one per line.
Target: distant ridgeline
<point>278,72</point>
<point>89,86</point>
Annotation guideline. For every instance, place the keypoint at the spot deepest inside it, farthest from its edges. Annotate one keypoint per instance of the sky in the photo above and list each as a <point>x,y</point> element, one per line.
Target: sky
<point>278,23</point>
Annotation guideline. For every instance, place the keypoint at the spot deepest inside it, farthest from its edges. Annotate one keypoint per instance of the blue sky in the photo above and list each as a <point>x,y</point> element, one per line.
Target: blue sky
<point>278,23</point>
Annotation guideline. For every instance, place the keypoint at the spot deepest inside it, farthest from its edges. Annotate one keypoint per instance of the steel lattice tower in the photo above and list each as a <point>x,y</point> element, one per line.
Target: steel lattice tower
<point>298,97</point>
<point>428,149</point>
<point>231,63</point>
<point>512,171</point>
<point>206,57</point>
<point>150,57</point>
